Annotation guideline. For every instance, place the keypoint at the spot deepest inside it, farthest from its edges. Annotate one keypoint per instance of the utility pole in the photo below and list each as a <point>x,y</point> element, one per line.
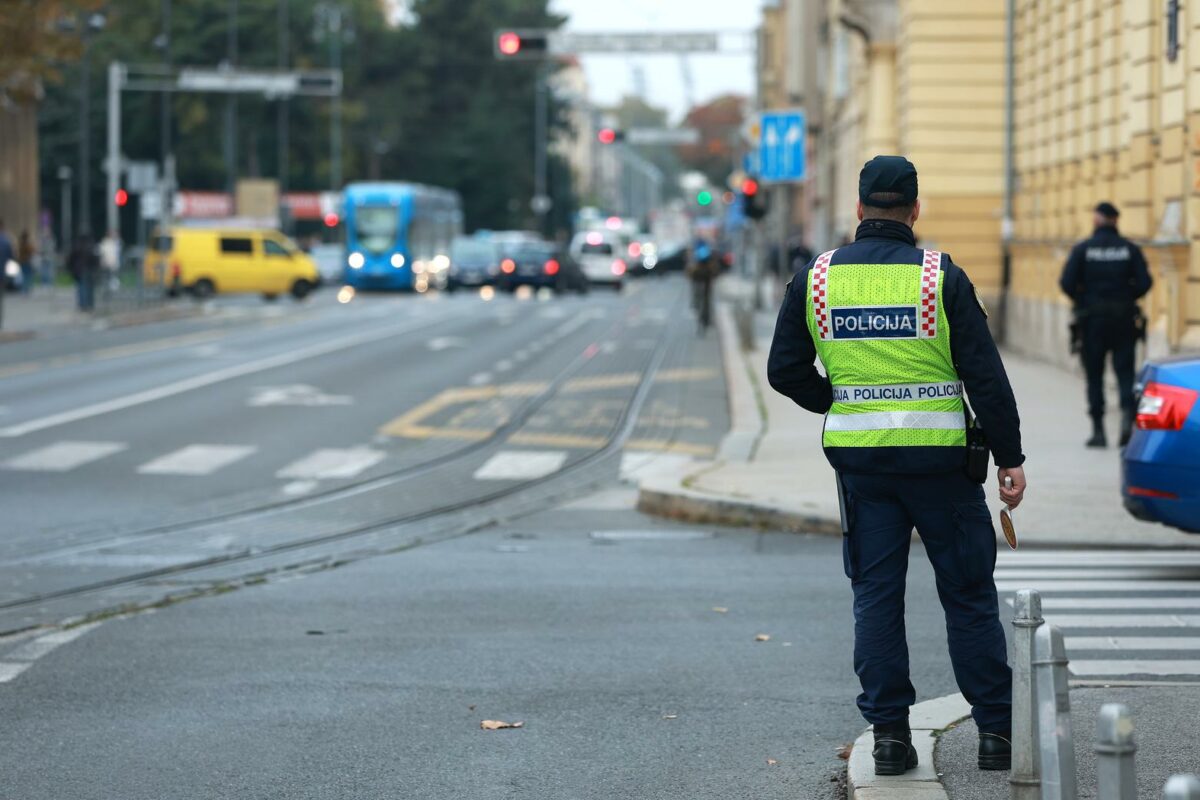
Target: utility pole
<point>85,139</point>
<point>231,59</point>
<point>541,201</point>
<point>335,119</point>
<point>281,119</point>
<point>165,45</point>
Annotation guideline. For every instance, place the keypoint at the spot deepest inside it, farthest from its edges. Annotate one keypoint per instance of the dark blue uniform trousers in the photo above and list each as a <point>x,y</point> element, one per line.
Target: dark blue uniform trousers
<point>949,513</point>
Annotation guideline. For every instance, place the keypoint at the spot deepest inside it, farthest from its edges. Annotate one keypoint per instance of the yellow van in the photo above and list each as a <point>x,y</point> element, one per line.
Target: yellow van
<point>207,261</point>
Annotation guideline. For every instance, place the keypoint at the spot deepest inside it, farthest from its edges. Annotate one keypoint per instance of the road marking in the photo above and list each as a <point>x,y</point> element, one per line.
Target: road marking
<point>297,488</point>
<point>445,343</point>
<point>480,379</point>
<point>296,395</point>
<point>518,465</point>
<point>196,459</point>
<point>1123,620</point>
<point>1133,643</point>
<point>108,353</point>
<point>650,536</point>
<point>1117,603</point>
<point>332,463</point>
<point>1118,558</point>
<point>63,456</point>
<point>1106,587</point>
<point>22,658</point>
<point>1134,667</point>
<point>201,381</point>
<point>1116,573</point>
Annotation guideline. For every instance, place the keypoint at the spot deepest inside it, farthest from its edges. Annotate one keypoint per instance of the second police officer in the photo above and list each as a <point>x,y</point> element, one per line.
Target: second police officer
<point>1105,276</point>
<point>900,332</point>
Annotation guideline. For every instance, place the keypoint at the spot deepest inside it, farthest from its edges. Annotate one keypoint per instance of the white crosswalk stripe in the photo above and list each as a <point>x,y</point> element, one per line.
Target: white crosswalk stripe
<point>1123,614</point>
<point>63,456</point>
<point>331,463</point>
<point>196,459</point>
<point>521,465</point>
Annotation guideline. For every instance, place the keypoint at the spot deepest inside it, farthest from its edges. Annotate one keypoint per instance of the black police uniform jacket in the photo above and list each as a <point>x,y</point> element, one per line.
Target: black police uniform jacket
<point>1106,274</point>
<point>791,367</point>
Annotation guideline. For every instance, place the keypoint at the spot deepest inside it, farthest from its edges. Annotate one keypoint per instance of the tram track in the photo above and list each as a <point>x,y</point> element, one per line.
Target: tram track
<point>296,550</point>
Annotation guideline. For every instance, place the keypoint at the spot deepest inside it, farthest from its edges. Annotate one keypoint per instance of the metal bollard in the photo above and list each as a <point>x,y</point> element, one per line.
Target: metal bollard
<point>1024,780</point>
<point>1182,787</point>
<point>1056,747</point>
<point>1115,751</point>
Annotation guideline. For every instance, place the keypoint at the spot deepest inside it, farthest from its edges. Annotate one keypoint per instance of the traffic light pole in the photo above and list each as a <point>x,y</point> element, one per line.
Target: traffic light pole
<point>540,124</point>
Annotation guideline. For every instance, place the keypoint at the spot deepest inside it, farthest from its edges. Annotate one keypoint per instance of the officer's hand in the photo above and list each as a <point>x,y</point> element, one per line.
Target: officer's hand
<point>1012,497</point>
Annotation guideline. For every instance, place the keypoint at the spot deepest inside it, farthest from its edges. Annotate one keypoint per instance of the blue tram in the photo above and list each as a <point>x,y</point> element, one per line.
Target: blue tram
<point>398,235</point>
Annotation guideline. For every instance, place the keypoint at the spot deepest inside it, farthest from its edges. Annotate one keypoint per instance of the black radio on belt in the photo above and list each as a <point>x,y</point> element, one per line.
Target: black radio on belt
<point>977,449</point>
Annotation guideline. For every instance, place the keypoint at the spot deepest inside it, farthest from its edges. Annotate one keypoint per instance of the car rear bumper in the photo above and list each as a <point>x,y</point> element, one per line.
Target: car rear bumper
<point>1143,483</point>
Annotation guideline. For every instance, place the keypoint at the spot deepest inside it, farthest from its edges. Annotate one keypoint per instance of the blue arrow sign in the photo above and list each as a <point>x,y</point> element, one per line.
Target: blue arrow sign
<point>781,146</point>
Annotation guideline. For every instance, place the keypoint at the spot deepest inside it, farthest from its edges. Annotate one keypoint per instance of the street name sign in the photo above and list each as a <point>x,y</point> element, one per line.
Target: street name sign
<point>781,146</point>
<point>679,42</point>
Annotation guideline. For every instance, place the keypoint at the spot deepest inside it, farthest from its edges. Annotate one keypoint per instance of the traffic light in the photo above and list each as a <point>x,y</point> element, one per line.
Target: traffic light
<point>610,135</point>
<point>521,44</point>
<point>121,198</point>
<point>751,207</point>
<point>704,198</point>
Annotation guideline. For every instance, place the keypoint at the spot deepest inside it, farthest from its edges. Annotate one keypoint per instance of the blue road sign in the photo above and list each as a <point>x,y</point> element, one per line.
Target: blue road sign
<point>781,146</point>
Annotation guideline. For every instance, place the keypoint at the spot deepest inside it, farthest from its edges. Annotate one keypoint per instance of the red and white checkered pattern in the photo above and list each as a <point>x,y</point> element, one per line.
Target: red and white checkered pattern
<point>927,312</point>
<point>820,282</point>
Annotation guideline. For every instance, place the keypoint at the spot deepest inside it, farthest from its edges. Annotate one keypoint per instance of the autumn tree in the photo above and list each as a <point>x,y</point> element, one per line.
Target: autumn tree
<point>719,122</point>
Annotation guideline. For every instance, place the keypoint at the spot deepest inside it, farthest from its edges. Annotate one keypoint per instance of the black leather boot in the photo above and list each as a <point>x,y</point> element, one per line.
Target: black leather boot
<point>894,753</point>
<point>1127,418</point>
<point>1098,438</point>
<point>995,751</point>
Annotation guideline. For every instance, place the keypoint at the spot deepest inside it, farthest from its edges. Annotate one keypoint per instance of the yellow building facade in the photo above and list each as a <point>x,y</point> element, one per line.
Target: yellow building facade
<point>1101,112</point>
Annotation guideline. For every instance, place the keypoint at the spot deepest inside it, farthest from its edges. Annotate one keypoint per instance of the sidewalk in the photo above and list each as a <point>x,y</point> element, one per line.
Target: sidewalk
<point>771,472</point>
<point>50,309</point>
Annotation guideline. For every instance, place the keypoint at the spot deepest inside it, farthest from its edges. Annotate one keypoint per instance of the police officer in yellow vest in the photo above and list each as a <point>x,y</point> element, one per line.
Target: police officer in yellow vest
<point>901,333</point>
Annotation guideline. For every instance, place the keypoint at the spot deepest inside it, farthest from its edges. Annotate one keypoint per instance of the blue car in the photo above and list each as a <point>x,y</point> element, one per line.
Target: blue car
<point>1160,479</point>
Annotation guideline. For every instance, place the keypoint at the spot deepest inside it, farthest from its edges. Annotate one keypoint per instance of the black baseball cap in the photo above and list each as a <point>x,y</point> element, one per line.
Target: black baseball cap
<point>1107,209</point>
<point>890,174</point>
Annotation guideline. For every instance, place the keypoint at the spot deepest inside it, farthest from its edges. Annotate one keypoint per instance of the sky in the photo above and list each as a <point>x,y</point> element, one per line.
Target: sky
<point>612,77</point>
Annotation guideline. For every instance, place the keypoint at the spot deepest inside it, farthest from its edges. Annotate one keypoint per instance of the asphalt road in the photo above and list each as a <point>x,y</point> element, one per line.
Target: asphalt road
<point>312,548</point>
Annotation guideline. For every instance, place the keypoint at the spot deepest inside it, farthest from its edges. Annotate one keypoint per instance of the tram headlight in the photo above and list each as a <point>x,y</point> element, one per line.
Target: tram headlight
<point>397,260</point>
<point>356,260</point>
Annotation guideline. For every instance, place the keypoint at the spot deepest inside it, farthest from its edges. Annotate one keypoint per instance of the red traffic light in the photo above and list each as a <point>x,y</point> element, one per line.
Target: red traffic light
<point>508,43</point>
<point>121,198</point>
<point>331,220</point>
<point>749,187</point>
<point>607,136</point>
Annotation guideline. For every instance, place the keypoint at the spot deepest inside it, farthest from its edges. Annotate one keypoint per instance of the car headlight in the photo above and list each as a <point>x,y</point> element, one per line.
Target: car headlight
<point>356,260</point>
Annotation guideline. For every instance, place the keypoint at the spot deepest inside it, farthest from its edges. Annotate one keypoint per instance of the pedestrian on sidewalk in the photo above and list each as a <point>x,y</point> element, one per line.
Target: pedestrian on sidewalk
<point>25,255</point>
<point>703,271</point>
<point>879,313</point>
<point>1105,276</point>
<point>83,266</point>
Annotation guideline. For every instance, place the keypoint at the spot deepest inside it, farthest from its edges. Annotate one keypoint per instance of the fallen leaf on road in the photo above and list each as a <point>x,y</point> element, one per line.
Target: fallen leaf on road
<point>496,725</point>
<point>844,751</point>
<point>762,637</point>
<point>771,762</point>
<point>720,609</point>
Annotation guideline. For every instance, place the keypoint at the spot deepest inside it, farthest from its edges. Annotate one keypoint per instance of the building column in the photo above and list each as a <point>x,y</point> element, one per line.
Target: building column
<point>881,134</point>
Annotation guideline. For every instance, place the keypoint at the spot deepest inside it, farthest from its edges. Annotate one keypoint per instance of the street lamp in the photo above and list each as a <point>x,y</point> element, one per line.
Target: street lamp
<point>90,25</point>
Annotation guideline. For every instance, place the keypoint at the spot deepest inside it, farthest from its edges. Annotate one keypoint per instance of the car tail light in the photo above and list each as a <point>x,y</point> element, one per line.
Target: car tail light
<point>508,266</point>
<point>635,249</point>
<point>552,267</point>
<point>1163,407</point>
<point>618,267</point>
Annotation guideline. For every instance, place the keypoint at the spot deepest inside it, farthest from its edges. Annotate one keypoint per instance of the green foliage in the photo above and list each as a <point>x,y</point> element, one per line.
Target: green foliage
<point>424,103</point>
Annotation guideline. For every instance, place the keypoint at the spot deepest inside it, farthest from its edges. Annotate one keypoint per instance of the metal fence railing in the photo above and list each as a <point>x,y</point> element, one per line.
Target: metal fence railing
<point>1043,758</point>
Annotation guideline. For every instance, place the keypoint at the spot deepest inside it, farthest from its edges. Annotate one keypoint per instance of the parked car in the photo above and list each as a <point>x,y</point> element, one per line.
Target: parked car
<point>539,264</point>
<point>600,258</point>
<point>208,261</point>
<point>474,261</point>
<point>1160,479</point>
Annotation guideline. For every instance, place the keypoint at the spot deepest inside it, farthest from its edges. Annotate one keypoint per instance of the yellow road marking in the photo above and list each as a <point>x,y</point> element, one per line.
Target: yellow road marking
<point>558,440</point>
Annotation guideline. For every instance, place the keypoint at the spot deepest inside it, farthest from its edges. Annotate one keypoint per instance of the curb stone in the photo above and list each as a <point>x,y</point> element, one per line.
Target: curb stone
<point>927,720</point>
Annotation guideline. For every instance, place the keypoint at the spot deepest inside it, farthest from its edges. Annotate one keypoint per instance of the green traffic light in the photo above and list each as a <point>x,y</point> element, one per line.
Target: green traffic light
<point>704,198</point>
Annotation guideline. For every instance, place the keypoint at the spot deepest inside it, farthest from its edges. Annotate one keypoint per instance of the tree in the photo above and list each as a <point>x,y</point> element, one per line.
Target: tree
<point>38,36</point>
<point>635,112</point>
<point>719,122</point>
